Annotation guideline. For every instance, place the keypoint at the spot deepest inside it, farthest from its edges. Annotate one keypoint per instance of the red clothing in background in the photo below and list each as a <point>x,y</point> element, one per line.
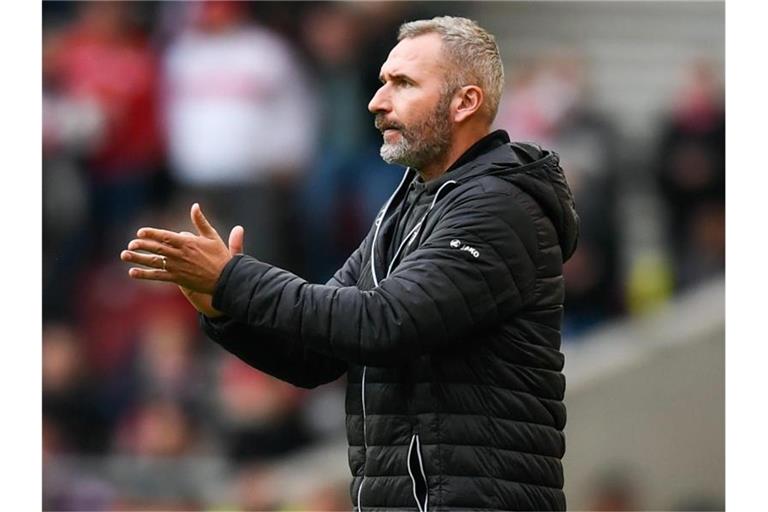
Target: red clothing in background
<point>118,73</point>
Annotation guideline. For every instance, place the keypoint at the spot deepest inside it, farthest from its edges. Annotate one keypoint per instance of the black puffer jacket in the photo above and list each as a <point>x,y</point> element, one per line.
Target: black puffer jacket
<point>454,394</point>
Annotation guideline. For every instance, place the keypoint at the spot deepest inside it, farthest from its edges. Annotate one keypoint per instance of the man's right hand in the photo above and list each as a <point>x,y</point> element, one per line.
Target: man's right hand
<point>203,302</point>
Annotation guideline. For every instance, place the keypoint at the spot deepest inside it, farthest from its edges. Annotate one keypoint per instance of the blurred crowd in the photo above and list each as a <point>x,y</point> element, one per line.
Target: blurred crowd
<point>258,112</point>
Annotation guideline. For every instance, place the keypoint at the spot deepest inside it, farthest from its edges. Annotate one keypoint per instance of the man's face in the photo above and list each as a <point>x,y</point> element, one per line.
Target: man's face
<point>412,106</point>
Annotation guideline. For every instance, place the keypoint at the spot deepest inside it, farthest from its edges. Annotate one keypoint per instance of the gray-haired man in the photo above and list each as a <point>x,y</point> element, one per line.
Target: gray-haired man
<point>446,320</point>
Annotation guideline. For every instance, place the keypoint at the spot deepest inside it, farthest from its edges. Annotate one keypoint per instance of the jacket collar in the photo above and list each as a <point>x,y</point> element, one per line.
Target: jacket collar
<point>484,145</point>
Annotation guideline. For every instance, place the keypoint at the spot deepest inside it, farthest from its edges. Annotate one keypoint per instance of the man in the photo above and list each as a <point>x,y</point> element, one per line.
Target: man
<point>446,319</point>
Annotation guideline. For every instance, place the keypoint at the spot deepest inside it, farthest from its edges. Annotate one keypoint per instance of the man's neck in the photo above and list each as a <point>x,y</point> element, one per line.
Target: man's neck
<point>462,142</point>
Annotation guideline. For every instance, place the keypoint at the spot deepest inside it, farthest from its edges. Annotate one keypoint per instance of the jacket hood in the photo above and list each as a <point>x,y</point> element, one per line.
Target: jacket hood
<point>537,172</point>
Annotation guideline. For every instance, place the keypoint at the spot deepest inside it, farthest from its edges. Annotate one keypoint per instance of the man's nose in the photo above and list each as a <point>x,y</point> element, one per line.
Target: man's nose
<point>380,101</point>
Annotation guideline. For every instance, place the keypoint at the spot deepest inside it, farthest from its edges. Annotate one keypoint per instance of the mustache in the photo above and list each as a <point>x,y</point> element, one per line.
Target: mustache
<point>381,124</point>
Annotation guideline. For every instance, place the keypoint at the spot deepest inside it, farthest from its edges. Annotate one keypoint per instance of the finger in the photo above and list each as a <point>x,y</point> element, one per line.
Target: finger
<point>236,240</point>
<point>201,223</point>
<point>149,260</point>
<point>161,235</point>
<point>143,244</point>
<point>150,275</point>
<point>186,233</point>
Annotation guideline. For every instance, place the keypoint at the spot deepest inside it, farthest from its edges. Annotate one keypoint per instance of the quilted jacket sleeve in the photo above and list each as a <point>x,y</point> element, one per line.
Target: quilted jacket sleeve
<point>475,269</point>
<point>278,353</point>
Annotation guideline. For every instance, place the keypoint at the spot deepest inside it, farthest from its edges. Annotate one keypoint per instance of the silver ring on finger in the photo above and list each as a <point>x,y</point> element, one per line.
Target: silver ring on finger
<point>164,260</point>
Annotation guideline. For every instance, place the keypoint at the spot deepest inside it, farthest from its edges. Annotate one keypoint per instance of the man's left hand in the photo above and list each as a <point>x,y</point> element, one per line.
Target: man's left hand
<point>194,262</point>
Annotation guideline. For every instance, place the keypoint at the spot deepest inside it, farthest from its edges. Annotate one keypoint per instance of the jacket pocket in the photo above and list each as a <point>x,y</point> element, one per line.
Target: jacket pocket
<point>418,476</point>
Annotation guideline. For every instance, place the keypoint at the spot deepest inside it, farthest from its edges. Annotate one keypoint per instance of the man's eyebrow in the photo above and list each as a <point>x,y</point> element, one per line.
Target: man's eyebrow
<point>395,76</point>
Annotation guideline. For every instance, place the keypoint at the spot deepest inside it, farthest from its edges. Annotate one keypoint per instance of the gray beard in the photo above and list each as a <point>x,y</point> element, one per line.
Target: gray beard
<point>423,143</point>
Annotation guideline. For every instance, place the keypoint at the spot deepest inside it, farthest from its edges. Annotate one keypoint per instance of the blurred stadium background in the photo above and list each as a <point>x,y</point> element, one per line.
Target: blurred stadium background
<point>258,111</point>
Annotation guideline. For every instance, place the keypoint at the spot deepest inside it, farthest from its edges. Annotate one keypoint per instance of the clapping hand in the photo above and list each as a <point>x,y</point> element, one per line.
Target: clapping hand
<point>194,262</point>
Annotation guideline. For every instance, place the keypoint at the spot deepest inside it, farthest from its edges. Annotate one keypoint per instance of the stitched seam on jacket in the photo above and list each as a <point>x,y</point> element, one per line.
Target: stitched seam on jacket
<point>516,364</point>
<point>523,452</point>
<point>502,388</point>
<point>531,454</point>
<point>542,425</point>
<point>515,482</point>
<point>518,391</point>
<point>439,449</point>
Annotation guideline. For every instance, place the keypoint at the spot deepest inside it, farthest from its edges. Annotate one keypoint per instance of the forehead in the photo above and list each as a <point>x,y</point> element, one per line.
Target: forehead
<point>415,56</point>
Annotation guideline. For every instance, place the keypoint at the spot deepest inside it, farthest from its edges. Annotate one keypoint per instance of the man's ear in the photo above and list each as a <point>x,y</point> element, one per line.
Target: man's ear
<point>469,99</point>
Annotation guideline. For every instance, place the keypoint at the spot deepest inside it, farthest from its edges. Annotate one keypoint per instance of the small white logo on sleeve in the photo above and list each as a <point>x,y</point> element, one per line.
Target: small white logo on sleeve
<point>455,243</point>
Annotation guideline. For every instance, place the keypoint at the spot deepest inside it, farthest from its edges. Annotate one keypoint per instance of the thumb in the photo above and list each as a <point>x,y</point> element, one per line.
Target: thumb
<point>201,223</point>
<point>236,237</point>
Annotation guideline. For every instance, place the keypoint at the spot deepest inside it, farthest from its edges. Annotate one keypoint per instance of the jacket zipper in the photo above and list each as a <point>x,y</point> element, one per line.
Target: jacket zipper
<point>365,443</point>
<point>379,220</point>
<point>415,440</point>
<point>414,233</point>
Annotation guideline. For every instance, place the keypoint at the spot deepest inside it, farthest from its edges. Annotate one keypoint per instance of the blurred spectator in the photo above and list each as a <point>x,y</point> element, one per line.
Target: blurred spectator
<point>159,436</point>
<point>256,489</point>
<point>261,415</point>
<point>156,428</point>
<point>332,496</point>
<point>101,141</point>
<point>548,102</point>
<point>110,345</point>
<point>240,123</point>
<point>527,111</point>
<point>615,489</point>
<point>349,181</point>
<point>65,489</point>
<point>690,168</point>
<point>118,317</point>
<point>333,37</point>
<point>73,421</point>
<point>101,78</point>
<point>167,366</point>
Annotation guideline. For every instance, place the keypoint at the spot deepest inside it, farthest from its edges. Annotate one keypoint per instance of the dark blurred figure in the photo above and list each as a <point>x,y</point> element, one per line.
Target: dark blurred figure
<point>690,167</point>
<point>156,428</point>
<point>260,416</point>
<point>73,423</point>
<point>64,488</point>
<point>348,181</point>
<point>549,103</point>
<point>255,489</point>
<point>158,437</point>
<point>127,328</point>
<point>72,417</point>
<point>101,140</point>
<point>614,490</point>
<point>168,362</point>
<point>332,34</point>
<point>330,496</point>
<point>240,123</point>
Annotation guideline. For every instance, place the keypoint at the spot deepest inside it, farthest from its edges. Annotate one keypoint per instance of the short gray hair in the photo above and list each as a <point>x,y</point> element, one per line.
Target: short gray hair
<point>471,50</point>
